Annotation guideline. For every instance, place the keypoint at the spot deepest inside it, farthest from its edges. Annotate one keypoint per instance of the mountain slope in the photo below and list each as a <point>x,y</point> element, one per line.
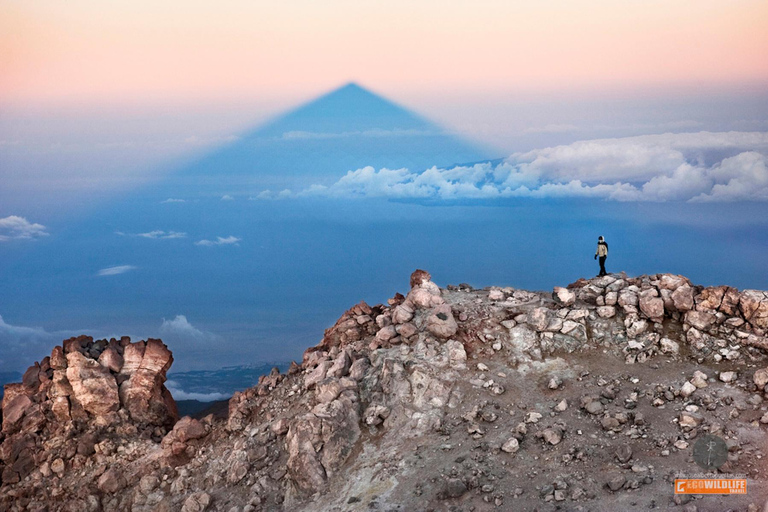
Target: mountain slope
<point>590,398</point>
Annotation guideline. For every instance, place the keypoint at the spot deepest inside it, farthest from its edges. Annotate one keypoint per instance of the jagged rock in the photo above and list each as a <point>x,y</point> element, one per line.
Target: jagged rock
<point>651,305</point>
<point>375,415</point>
<point>143,394</point>
<point>754,306</point>
<point>14,410</point>
<point>93,387</point>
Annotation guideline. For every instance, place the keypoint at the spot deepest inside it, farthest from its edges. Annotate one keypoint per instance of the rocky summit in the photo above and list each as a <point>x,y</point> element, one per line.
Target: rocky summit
<point>589,397</point>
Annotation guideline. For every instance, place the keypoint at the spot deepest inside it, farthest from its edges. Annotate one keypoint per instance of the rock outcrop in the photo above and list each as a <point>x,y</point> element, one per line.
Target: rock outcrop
<point>81,394</point>
<point>587,398</point>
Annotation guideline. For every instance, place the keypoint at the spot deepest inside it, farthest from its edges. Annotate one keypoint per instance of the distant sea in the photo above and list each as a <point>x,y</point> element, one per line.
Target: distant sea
<point>300,263</point>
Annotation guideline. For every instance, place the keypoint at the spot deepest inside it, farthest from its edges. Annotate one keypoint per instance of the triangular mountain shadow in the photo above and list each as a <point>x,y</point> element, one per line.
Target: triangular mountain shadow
<point>320,141</point>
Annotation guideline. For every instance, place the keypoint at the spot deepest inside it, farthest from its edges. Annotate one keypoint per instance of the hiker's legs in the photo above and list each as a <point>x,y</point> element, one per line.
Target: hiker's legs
<point>602,266</point>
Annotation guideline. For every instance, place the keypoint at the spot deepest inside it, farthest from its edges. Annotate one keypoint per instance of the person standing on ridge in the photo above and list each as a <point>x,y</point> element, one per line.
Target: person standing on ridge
<point>602,253</point>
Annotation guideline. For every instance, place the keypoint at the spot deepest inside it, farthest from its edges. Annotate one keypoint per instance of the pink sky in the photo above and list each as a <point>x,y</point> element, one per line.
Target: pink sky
<point>86,51</point>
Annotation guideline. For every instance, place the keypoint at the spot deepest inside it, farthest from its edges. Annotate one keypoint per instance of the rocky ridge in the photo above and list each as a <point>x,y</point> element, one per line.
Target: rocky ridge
<point>587,398</point>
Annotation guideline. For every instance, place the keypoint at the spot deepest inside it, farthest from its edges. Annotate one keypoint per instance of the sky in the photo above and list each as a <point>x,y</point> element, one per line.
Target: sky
<point>87,51</point>
<point>657,109</point>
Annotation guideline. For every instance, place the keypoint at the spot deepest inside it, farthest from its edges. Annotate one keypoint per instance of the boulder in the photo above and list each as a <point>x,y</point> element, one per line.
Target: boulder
<point>144,394</point>
<point>701,320</point>
<point>651,305</point>
<point>441,323</point>
<point>682,298</point>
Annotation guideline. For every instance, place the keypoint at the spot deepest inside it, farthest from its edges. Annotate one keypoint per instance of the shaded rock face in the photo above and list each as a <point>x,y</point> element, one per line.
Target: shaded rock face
<point>84,386</point>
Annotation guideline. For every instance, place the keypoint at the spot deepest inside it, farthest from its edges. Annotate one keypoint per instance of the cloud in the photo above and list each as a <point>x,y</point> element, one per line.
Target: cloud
<point>180,394</point>
<point>113,271</point>
<point>20,346</point>
<point>19,228</point>
<point>227,197</point>
<point>173,200</point>
<point>156,234</point>
<point>180,325</point>
<point>230,240</point>
<point>703,166</point>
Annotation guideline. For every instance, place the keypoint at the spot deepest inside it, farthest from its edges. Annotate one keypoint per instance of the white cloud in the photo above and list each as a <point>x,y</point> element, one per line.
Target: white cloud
<point>227,197</point>
<point>18,228</point>
<point>156,234</point>
<point>179,394</point>
<point>21,346</point>
<point>230,240</point>
<point>173,200</point>
<point>180,325</point>
<point>704,166</point>
<point>113,271</point>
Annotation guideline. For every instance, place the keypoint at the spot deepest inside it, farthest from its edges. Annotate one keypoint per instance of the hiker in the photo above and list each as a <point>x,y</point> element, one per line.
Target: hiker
<point>602,253</point>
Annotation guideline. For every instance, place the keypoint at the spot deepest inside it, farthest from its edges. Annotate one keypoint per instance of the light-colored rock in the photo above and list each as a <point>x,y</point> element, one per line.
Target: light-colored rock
<point>457,355</point>
<point>512,445</point>
<point>682,298</point>
<point>606,311</point>
<point>93,386</point>
<point>727,376</point>
<point>754,307</point>
<point>701,320</point>
<point>651,305</point>
<point>563,295</point>
<point>687,389</point>
<point>402,313</point>
<point>699,379</point>
<point>761,378</point>
<point>669,346</point>
<point>496,295</point>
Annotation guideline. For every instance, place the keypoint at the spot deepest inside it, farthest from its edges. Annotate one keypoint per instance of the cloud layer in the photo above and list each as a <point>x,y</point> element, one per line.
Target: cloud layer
<point>696,167</point>
<point>14,227</point>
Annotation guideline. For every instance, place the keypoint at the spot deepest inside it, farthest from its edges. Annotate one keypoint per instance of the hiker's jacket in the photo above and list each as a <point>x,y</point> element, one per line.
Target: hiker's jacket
<point>602,249</point>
